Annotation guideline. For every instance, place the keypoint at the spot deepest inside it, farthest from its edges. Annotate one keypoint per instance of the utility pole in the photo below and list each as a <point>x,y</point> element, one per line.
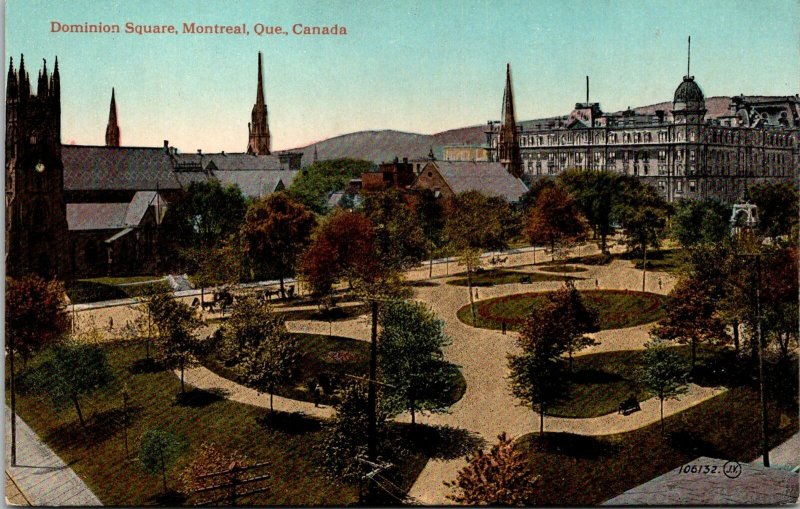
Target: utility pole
<point>372,445</point>
<point>760,349</point>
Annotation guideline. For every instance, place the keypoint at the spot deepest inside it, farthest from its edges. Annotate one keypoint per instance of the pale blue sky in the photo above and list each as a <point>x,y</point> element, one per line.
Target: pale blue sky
<point>420,66</point>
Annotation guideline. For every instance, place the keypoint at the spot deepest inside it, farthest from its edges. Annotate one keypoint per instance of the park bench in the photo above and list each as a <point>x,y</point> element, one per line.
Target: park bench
<point>629,406</point>
<point>525,279</point>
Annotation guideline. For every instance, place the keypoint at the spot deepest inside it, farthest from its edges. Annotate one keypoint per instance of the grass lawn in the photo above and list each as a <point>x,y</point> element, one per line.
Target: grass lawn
<point>100,289</point>
<point>616,309</point>
<point>601,381</point>
<point>291,444</point>
<point>504,277</point>
<point>327,359</point>
<point>562,268</point>
<point>668,260</point>
<point>581,470</point>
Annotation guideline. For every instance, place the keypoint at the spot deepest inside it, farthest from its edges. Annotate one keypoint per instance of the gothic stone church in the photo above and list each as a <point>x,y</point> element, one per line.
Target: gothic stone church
<point>80,211</point>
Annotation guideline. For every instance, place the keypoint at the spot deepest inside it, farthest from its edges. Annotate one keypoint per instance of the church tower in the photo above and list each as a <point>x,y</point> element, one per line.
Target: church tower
<point>112,130</point>
<point>259,126</point>
<point>508,143</point>
<point>36,218</point>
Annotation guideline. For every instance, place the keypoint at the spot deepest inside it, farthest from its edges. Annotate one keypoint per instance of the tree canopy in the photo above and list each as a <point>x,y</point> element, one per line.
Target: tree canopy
<point>275,232</point>
<point>175,340</point>
<point>315,182</point>
<point>411,358</point>
<point>207,213</point>
<point>662,373</point>
<point>595,193</point>
<point>696,222</point>
<point>400,241</point>
<point>777,208</point>
<point>554,219</point>
<point>36,314</point>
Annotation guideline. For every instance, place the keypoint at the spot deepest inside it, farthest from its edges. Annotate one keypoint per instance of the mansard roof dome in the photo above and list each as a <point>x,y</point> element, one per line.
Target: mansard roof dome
<point>688,91</point>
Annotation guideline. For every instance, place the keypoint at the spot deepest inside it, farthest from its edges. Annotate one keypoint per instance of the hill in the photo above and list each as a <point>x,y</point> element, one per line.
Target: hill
<point>385,145</point>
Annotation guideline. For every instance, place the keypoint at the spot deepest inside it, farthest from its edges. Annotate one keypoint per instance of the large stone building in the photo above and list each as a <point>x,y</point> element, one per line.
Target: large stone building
<point>682,151</point>
<point>88,210</point>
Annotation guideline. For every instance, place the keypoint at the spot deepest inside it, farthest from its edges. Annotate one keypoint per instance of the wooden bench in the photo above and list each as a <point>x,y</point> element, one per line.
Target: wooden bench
<point>629,406</point>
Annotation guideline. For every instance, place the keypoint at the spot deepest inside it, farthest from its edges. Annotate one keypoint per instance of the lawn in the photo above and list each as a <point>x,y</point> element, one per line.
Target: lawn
<point>616,309</point>
<point>582,470</point>
<point>291,444</point>
<point>327,360</point>
<point>668,260</point>
<point>505,277</point>
<point>601,381</point>
<point>101,289</point>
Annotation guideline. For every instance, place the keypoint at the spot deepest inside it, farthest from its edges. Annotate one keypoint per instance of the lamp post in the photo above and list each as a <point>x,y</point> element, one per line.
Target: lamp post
<point>744,220</point>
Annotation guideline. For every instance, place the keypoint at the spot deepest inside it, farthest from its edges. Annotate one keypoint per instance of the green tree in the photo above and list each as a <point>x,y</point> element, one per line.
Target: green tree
<point>268,355</point>
<point>501,477</point>
<point>643,214</point>
<point>576,320</point>
<point>554,220</point>
<point>537,374</point>
<point>472,225</point>
<point>663,373</point>
<point>777,208</point>
<point>158,450</point>
<point>36,316</point>
<point>175,340</point>
<point>399,237</point>
<point>275,231</point>
<point>595,193</point>
<point>696,222</point>
<point>315,182</point>
<point>411,358</point>
<point>430,214</point>
<point>217,265</point>
<point>528,200</point>
<point>204,216</point>
<point>78,369</point>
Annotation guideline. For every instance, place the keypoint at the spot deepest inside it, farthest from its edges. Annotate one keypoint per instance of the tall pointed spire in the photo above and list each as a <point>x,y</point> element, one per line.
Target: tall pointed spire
<point>24,83</point>
<point>11,82</point>
<point>508,143</point>
<point>112,130</point>
<point>259,141</point>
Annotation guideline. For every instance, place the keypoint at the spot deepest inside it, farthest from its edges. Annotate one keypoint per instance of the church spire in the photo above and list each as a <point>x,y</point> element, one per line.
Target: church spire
<point>508,143</point>
<point>11,83</point>
<point>112,130</point>
<point>259,126</point>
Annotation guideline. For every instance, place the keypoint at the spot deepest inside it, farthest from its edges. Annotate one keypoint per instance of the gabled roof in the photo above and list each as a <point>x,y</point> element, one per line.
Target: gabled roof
<point>237,161</point>
<point>255,184</point>
<point>96,216</point>
<point>489,178</point>
<point>90,168</point>
<point>112,216</point>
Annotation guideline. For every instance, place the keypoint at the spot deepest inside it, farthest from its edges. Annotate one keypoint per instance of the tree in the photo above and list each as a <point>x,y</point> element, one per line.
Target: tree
<point>315,182</point>
<point>206,215</point>
<point>472,225</point>
<point>217,265</point>
<point>158,450</point>
<point>275,231</point>
<point>691,317</point>
<point>78,368</point>
<point>595,193</point>
<point>663,373</point>
<point>411,358</point>
<point>528,200</point>
<point>696,222</point>
<point>399,237</point>
<point>36,316</point>
<point>269,356</point>
<point>175,340</point>
<point>642,213</point>
<point>430,214</point>
<point>250,322</point>
<point>500,477</point>
<point>576,320</point>
<point>777,208</point>
<point>537,375</point>
<point>555,219</point>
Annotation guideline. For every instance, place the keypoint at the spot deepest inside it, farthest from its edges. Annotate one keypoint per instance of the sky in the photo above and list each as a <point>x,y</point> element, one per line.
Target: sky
<point>416,66</point>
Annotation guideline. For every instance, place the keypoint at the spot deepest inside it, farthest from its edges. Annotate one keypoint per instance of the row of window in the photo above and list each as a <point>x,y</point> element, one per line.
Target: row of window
<point>714,136</point>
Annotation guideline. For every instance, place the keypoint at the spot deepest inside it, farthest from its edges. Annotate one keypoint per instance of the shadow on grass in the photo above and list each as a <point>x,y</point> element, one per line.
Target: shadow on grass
<point>595,376</point>
<point>294,423</point>
<point>145,366</point>
<point>576,446</point>
<point>99,428</point>
<point>440,442</point>
<point>171,498</point>
<point>198,398</point>
<point>423,284</point>
<point>689,443</point>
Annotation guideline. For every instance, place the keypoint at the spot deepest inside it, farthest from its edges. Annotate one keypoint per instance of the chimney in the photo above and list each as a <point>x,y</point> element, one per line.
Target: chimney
<point>660,115</point>
<point>166,144</point>
<point>199,151</point>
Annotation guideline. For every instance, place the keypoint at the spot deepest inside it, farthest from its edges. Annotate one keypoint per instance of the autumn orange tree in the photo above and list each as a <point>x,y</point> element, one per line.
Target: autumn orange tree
<point>276,229</point>
<point>36,316</point>
<point>555,219</point>
<point>500,477</point>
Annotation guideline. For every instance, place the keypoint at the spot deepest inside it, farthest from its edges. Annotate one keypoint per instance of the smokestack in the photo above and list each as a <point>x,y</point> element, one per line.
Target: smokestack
<point>587,89</point>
